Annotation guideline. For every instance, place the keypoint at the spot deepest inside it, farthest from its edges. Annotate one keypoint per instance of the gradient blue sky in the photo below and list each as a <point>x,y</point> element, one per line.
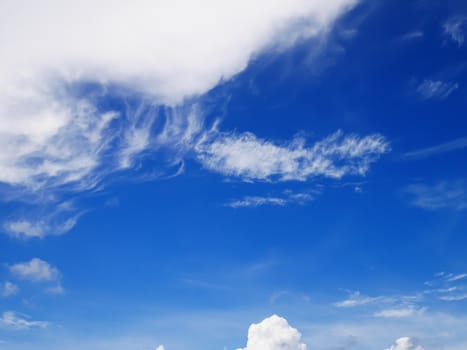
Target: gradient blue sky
<point>313,167</point>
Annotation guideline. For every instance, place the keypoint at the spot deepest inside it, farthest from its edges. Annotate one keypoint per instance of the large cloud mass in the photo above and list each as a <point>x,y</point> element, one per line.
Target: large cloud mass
<point>54,128</point>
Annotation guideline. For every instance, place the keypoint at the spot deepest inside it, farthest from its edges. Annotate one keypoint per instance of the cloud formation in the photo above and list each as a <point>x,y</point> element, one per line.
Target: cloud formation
<point>450,146</point>
<point>399,312</point>
<point>441,195</point>
<point>35,270</point>
<point>253,159</point>
<point>13,321</point>
<point>435,89</point>
<point>52,125</point>
<point>273,333</point>
<point>8,289</point>
<point>455,28</point>
<point>287,197</point>
<point>406,343</point>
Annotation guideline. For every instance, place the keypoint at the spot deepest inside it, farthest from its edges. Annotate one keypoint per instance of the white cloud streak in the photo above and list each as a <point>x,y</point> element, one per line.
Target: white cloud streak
<point>399,312</point>
<point>11,320</point>
<point>435,89</point>
<point>450,146</point>
<point>253,159</point>
<point>288,197</point>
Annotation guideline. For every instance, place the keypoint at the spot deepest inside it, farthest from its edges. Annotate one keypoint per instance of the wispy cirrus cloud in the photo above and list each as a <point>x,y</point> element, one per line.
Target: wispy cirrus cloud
<point>450,146</point>
<point>286,198</point>
<point>435,89</point>
<point>403,312</point>
<point>441,195</point>
<point>249,158</point>
<point>13,321</point>
<point>455,28</point>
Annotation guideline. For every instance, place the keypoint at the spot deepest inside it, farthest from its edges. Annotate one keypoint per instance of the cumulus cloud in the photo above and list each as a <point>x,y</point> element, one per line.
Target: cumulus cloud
<point>455,28</point>
<point>250,158</point>
<point>273,333</point>
<point>35,270</point>
<point>13,321</point>
<point>406,343</point>
<point>435,89</point>
<point>441,195</point>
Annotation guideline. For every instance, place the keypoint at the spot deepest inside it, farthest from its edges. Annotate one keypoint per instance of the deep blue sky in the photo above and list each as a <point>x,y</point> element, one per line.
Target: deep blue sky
<point>173,260</point>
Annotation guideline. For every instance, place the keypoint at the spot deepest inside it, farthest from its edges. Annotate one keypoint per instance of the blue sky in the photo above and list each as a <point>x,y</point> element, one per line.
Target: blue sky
<point>173,174</point>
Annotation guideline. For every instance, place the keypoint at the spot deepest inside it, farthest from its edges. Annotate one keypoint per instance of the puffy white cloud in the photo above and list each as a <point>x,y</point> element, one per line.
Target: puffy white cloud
<point>11,320</point>
<point>273,333</point>
<point>435,89</point>
<point>8,289</point>
<point>35,270</point>
<point>406,343</point>
<point>55,53</point>
<point>250,158</point>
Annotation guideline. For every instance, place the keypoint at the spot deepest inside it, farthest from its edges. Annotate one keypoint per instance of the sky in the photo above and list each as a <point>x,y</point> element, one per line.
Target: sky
<point>218,175</point>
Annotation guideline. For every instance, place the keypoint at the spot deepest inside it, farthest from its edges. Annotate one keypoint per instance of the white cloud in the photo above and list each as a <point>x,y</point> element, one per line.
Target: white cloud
<point>55,290</point>
<point>357,299</point>
<point>8,289</point>
<point>399,312</point>
<point>160,347</point>
<point>11,320</point>
<point>453,297</point>
<point>250,158</point>
<point>288,197</point>
<point>406,343</point>
<point>456,29</point>
<point>450,146</point>
<point>458,277</point>
<point>256,201</point>
<point>35,270</point>
<point>444,194</point>
<point>435,89</point>
<point>55,221</point>
<point>274,333</point>
<point>52,128</point>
